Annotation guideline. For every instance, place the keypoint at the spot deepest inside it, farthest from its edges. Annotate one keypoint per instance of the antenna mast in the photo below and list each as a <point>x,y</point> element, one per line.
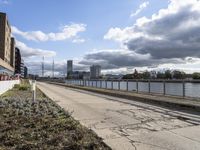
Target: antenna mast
<point>43,66</point>
<point>53,68</point>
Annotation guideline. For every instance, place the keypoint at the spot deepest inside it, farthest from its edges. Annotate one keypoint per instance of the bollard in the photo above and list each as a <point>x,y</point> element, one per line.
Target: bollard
<point>34,91</point>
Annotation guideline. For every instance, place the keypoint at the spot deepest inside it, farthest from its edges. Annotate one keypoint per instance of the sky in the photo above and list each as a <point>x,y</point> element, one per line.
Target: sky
<point>119,35</point>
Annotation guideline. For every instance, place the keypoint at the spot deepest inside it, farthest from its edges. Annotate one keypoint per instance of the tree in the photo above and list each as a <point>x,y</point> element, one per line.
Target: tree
<point>168,74</point>
<point>146,75</point>
<point>160,75</point>
<point>179,74</point>
<point>135,74</point>
<point>128,76</point>
<point>196,75</point>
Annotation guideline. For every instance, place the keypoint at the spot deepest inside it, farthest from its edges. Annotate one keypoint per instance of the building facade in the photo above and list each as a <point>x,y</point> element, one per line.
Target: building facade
<point>17,61</point>
<point>95,71</point>
<point>12,53</point>
<point>22,68</point>
<point>25,72</point>
<point>6,46</point>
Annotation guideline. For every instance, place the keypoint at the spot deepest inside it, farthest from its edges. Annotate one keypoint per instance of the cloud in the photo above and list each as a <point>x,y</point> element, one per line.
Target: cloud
<point>67,32</point>
<point>4,2</point>
<point>172,33</point>
<point>78,40</point>
<point>113,59</point>
<point>141,7</point>
<point>31,52</point>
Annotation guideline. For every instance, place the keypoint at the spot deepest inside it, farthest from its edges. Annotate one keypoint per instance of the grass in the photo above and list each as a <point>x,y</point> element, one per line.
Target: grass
<point>26,125</point>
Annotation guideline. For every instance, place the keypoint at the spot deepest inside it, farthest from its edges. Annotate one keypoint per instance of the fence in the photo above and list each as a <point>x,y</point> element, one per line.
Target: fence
<point>165,87</point>
<point>6,85</point>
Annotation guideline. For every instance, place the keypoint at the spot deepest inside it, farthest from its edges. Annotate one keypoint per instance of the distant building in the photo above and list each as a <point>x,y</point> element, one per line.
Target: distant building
<point>22,68</point>
<point>12,53</point>
<point>153,74</point>
<point>6,46</point>
<point>95,71</point>
<point>80,75</point>
<point>25,72</point>
<point>69,68</point>
<point>17,61</point>
<point>86,75</point>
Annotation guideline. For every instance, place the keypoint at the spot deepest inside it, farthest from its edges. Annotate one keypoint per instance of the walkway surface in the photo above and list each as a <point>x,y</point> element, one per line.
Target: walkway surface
<point>126,124</point>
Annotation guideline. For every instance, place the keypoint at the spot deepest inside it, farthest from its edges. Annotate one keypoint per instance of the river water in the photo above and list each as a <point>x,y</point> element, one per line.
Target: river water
<point>176,89</point>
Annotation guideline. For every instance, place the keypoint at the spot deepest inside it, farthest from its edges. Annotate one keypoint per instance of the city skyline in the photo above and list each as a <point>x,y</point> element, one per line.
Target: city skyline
<point>142,35</point>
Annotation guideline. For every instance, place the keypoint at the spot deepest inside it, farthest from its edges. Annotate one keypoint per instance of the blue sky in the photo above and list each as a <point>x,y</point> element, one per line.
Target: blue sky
<point>79,30</point>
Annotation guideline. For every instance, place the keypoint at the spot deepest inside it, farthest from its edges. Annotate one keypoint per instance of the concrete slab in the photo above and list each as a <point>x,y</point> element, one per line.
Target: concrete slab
<point>127,124</point>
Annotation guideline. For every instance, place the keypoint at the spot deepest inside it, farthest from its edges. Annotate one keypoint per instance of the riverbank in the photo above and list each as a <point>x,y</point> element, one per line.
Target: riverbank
<point>168,101</point>
<point>40,125</point>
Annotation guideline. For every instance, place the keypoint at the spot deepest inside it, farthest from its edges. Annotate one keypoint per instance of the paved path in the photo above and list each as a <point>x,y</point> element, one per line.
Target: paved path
<point>127,125</point>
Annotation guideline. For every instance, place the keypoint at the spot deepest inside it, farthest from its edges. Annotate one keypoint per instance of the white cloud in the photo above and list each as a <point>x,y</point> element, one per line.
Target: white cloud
<point>169,36</point>
<point>31,52</point>
<point>78,40</point>
<point>67,32</point>
<point>141,7</point>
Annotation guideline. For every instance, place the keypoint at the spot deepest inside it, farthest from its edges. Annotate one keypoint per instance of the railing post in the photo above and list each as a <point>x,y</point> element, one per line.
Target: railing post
<point>92,83</point>
<point>106,83</point>
<point>101,84</point>
<point>164,87</point>
<point>149,85</point>
<point>119,85</point>
<point>137,86</point>
<point>183,88</point>
<point>127,85</point>
<point>96,83</point>
<point>112,84</point>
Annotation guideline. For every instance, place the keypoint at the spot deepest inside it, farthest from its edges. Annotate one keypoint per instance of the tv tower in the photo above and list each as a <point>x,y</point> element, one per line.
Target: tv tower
<point>53,68</point>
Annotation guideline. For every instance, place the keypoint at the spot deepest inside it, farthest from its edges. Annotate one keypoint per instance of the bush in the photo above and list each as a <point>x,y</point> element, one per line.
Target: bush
<point>16,86</point>
<point>23,87</point>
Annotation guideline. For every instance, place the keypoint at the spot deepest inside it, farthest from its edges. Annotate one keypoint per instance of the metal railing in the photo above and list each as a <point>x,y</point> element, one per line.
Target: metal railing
<point>182,88</point>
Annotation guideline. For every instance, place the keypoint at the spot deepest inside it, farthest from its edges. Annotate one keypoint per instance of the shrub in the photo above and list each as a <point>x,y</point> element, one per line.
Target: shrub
<point>16,86</point>
<point>23,87</point>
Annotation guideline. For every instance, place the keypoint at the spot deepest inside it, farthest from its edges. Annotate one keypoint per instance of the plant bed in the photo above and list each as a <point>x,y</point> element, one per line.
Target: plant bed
<point>25,125</point>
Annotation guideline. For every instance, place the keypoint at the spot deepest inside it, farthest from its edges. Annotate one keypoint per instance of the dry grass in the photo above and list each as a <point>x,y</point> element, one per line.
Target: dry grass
<point>42,125</point>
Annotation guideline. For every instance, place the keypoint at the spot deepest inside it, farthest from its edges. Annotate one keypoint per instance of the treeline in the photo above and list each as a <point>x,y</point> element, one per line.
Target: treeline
<point>168,74</point>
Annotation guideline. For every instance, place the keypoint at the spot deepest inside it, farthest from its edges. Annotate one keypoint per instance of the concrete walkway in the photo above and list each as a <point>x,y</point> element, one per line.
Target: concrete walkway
<point>126,124</point>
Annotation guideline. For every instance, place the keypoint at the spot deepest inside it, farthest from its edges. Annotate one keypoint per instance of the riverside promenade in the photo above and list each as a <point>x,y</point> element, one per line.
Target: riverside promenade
<point>127,124</point>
